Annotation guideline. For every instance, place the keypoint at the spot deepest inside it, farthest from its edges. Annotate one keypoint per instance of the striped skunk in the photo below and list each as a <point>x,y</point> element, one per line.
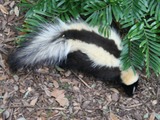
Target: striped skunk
<point>75,46</point>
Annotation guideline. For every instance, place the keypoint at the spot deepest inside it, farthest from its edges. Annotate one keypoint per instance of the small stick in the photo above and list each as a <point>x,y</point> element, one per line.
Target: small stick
<point>52,108</point>
<point>81,80</point>
<point>143,76</point>
<point>135,105</point>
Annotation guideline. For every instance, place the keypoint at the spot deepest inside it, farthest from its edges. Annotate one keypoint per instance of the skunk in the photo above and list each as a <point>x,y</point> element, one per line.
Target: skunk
<point>76,46</point>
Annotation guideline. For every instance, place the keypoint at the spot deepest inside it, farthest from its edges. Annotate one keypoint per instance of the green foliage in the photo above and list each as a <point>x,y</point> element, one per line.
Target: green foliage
<point>140,18</point>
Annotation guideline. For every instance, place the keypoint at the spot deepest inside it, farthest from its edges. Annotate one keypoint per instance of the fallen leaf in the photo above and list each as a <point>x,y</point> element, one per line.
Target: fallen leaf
<point>115,97</point>
<point>56,93</point>
<point>27,93</point>
<point>85,103</point>
<point>113,116</point>
<point>68,73</point>
<point>152,117</point>
<point>5,97</point>
<point>154,102</point>
<point>76,89</point>
<point>43,70</point>
<point>55,83</point>
<point>10,18</point>
<point>62,101</point>
<point>16,11</point>
<point>12,4</point>
<point>6,114</point>
<point>41,118</point>
<point>75,104</point>
<point>114,90</point>
<point>60,97</point>
<point>48,93</point>
<point>34,101</point>
<point>3,9</point>
<point>16,78</point>
<point>7,2</point>
<point>2,78</point>
<point>16,87</point>
<point>22,90</point>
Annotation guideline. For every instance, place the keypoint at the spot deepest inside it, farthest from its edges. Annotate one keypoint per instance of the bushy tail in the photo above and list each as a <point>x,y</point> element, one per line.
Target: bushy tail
<point>47,46</point>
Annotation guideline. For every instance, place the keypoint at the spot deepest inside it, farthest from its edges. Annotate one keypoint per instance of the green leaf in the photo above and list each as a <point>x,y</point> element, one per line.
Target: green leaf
<point>143,43</point>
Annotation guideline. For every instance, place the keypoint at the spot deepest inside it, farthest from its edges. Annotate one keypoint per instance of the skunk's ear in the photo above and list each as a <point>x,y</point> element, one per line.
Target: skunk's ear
<point>130,89</point>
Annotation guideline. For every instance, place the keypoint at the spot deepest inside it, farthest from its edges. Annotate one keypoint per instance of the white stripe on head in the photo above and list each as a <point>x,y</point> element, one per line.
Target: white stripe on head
<point>129,77</point>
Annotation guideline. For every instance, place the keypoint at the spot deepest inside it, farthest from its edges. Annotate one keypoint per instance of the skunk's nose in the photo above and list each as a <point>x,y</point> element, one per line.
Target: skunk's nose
<point>130,89</point>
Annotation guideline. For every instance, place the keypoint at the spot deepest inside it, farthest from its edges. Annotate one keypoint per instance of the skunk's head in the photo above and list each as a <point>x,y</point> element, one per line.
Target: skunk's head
<point>129,81</point>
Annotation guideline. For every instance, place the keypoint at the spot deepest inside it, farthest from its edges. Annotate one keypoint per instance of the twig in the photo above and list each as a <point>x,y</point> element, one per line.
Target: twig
<point>143,76</point>
<point>81,80</point>
<point>52,108</point>
<point>135,105</point>
<point>41,108</point>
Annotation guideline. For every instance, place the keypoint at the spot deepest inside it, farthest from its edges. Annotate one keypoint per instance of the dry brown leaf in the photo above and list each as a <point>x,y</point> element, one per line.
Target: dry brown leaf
<point>7,2</point>
<point>34,101</point>
<point>41,118</point>
<point>152,117</point>
<point>55,83</point>
<point>11,17</point>
<point>48,93</point>
<point>3,9</point>
<point>62,101</point>
<point>113,116</point>
<point>65,80</point>
<point>5,97</point>
<point>60,97</point>
<point>76,89</point>
<point>12,4</point>
<point>56,93</point>
<point>2,78</point>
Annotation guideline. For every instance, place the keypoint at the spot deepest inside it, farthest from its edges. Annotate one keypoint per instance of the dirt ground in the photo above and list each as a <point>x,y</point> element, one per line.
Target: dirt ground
<point>57,94</point>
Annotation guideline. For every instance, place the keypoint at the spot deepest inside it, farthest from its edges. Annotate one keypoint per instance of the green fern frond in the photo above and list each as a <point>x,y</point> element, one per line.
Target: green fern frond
<point>135,8</point>
<point>154,8</point>
<point>143,44</point>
